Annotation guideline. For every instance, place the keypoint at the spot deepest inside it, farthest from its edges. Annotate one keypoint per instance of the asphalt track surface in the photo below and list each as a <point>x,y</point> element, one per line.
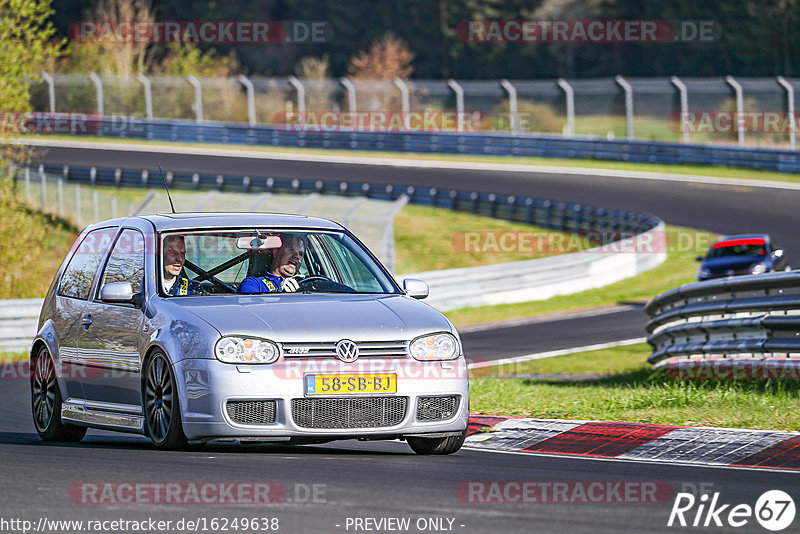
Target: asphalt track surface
<point>382,480</point>
<point>353,479</point>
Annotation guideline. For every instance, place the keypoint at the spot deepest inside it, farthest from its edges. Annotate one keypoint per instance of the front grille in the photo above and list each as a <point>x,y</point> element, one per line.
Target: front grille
<point>437,408</point>
<point>355,412</point>
<point>366,349</point>
<point>258,412</point>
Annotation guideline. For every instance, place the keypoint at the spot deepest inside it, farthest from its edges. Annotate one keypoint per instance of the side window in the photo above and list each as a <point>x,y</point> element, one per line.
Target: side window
<point>126,263</point>
<point>77,279</point>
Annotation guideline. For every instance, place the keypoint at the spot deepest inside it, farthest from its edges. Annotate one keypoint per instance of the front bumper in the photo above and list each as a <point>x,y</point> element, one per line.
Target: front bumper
<point>205,386</point>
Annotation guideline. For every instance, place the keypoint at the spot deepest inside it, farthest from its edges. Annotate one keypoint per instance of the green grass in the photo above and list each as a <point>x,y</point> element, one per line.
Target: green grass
<point>684,245</point>
<point>428,239</point>
<point>698,170</point>
<point>7,357</point>
<point>633,392</point>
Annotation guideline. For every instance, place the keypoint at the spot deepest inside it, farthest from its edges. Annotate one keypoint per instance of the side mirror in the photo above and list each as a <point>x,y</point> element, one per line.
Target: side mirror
<point>117,292</point>
<point>778,252</point>
<point>699,258</point>
<point>415,288</point>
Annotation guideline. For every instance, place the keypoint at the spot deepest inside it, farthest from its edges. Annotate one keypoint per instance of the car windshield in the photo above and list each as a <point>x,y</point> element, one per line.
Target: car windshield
<point>724,251</point>
<point>259,260</point>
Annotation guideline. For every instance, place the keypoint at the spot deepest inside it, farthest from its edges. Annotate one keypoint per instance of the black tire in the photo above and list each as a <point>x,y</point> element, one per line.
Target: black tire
<point>447,445</point>
<point>162,410</point>
<point>46,402</point>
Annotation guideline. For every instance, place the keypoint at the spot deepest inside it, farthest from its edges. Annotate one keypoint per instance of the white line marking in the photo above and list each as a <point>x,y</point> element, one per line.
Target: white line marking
<point>553,353</point>
<point>413,163</point>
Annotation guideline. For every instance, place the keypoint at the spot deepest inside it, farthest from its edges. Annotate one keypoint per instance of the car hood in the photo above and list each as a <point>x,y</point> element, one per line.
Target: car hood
<point>299,317</point>
<point>732,262</point>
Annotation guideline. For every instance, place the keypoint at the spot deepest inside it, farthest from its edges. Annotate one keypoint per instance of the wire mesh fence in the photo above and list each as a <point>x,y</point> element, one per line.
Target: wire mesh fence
<point>743,111</point>
<point>82,204</point>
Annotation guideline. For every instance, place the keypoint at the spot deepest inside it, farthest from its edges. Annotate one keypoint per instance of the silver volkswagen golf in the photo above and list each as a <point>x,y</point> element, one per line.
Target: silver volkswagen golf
<point>189,328</point>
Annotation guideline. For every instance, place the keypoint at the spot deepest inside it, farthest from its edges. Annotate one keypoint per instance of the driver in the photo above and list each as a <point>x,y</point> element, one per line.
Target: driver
<point>174,280</point>
<point>280,275</point>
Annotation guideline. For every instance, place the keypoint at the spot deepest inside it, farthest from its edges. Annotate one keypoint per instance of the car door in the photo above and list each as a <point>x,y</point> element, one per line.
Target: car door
<point>72,296</point>
<point>111,340</point>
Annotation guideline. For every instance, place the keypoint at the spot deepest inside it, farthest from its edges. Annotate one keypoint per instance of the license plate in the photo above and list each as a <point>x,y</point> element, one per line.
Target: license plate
<point>350,384</point>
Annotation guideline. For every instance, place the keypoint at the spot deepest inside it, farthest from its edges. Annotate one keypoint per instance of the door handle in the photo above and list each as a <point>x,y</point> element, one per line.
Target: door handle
<point>87,321</point>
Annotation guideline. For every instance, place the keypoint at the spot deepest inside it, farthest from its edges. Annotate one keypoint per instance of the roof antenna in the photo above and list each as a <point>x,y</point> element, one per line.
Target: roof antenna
<point>171,205</point>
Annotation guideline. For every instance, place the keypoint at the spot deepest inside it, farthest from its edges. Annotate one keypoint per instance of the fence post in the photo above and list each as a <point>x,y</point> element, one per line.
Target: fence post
<point>388,232</point>
<point>512,105</point>
<point>60,197</point>
<point>570,97</point>
<point>405,100</point>
<point>790,111</point>
<point>27,183</point>
<point>148,96</point>
<point>198,97</point>
<point>739,108</point>
<point>684,97</point>
<point>51,90</point>
<point>351,94</point>
<point>459,92</point>
<point>251,98</point>
<point>628,106</point>
<point>78,218</point>
<point>98,86</point>
<point>43,177</point>
<point>301,94</point>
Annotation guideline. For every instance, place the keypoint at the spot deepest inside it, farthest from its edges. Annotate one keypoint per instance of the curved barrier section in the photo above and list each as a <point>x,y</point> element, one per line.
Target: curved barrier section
<point>540,279</point>
<point>738,327</point>
<point>549,146</point>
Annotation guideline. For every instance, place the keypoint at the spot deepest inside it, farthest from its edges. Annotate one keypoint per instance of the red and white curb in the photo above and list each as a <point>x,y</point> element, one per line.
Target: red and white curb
<point>768,449</point>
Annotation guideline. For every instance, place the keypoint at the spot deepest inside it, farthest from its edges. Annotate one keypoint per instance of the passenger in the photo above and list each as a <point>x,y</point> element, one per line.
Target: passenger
<point>280,275</point>
<point>174,280</point>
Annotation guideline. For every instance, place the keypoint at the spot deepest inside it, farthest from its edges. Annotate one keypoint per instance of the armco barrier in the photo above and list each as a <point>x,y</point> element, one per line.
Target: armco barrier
<point>538,279</point>
<point>752,322</point>
<point>473,143</point>
<point>18,323</point>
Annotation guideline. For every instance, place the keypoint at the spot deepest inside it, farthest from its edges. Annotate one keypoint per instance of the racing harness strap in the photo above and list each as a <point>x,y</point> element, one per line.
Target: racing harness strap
<point>184,289</point>
<point>270,285</point>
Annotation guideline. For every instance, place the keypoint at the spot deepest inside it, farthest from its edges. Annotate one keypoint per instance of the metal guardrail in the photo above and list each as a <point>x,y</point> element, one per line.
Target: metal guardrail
<point>753,319</point>
<point>549,146</point>
<point>546,213</point>
<point>19,320</point>
<point>542,278</point>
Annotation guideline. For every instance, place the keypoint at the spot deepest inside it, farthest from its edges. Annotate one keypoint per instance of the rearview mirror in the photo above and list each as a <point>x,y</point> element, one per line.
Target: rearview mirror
<point>254,243</point>
<point>415,288</point>
<point>117,292</point>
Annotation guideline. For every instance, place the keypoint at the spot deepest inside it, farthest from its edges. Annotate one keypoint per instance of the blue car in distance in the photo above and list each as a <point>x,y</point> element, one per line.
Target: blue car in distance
<point>740,255</point>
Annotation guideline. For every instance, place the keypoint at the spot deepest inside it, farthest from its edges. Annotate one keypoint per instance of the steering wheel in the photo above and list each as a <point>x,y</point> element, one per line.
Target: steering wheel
<point>315,278</point>
<point>219,283</point>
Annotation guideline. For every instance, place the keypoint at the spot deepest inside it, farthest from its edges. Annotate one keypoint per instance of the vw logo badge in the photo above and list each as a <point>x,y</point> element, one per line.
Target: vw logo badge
<point>347,351</point>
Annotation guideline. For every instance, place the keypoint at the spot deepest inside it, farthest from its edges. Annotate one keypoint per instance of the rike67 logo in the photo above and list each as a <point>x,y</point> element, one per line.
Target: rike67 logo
<point>774,510</point>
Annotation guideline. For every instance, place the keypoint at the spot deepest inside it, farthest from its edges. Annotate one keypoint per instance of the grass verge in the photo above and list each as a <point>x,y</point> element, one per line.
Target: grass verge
<point>697,170</point>
<point>629,390</point>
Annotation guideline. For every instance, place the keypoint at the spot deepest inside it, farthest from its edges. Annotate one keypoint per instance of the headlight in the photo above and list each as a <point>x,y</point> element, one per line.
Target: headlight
<point>702,273</point>
<point>758,268</point>
<point>232,349</point>
<point>434,347</point>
